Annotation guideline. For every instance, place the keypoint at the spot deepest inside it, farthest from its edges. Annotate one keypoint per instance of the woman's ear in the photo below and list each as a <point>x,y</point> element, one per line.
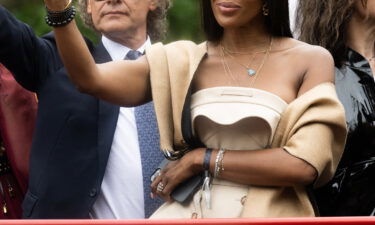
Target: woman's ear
<point>88,8</point>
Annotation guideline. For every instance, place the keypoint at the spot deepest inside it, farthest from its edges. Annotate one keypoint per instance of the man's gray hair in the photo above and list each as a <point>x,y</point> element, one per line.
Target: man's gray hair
<point>156,20</point>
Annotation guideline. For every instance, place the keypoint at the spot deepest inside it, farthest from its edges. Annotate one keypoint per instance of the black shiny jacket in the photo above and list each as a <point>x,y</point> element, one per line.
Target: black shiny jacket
<point>352,190</point>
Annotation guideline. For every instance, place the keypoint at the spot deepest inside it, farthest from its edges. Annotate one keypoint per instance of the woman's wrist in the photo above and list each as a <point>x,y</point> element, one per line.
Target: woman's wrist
<point>197,159</point>
<point>200,157</point>
<point>57,5</point>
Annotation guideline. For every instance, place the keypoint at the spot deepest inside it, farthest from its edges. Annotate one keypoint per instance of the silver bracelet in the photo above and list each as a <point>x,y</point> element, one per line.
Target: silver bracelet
<point>219,162</point>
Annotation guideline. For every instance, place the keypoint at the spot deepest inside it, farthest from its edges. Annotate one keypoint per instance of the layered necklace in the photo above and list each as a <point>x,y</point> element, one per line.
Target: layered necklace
<point>251,72</point>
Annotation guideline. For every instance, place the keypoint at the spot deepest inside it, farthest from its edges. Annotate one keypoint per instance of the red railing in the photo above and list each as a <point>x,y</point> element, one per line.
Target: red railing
<point>273,221</point>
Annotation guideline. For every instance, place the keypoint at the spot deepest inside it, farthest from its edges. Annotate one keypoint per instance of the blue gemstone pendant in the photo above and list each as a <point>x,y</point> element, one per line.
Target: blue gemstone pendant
<point>251,72</point>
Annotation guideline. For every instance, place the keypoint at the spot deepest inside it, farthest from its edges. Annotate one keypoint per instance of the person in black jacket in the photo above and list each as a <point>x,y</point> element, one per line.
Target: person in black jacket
<point>346,28</point>
<point>88,157</point>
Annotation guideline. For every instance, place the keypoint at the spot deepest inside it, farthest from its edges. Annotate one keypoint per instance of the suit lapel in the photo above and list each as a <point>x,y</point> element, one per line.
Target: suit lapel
<point>107,115</point>
<point>100,54</point>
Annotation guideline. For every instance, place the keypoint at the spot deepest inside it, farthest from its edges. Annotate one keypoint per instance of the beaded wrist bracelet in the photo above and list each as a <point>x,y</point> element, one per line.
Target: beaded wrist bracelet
<point>60,18</point>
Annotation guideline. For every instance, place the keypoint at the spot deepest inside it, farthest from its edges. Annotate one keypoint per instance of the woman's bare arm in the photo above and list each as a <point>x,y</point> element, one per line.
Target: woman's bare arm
<point>124,83</point>
<point>266,167</point>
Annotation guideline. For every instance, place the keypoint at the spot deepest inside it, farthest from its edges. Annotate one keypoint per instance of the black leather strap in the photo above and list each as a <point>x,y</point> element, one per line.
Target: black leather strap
<point>207,159</point>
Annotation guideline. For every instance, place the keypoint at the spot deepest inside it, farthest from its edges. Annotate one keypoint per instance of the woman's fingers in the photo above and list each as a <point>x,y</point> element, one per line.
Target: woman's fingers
<point>162,185</point>
<point>163,190</point>
<point>154,185</point>
<point>171,176</point>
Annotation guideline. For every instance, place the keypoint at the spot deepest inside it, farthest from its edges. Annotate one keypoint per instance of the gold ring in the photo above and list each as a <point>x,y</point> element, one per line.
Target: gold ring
<point>160,187</point>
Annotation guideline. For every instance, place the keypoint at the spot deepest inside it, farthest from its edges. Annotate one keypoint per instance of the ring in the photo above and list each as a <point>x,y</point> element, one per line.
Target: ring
<point>160,187</point>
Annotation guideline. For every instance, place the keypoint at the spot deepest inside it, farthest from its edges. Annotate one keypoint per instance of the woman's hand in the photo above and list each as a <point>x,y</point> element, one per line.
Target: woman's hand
<point>56,5</point>
<point>177,172</point>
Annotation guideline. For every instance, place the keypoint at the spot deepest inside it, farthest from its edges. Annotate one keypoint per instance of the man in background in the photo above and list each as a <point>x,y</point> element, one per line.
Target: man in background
<point>89,158</point>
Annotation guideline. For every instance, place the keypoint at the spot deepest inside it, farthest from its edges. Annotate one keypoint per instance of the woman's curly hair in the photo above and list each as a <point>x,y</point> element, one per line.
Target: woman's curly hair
<point>325,23</point>
<point>156,20</point>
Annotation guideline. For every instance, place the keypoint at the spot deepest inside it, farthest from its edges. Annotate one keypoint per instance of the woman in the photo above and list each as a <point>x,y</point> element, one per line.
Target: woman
<point>223,100</point>
<point>346,28</point>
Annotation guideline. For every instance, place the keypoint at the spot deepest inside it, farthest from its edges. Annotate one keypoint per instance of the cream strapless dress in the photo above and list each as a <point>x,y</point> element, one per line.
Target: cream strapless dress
<point>234,118</point>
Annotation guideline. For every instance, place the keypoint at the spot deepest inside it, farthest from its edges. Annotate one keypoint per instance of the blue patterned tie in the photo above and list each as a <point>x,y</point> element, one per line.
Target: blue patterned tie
<point>148,137</point>
<point>133,55</point>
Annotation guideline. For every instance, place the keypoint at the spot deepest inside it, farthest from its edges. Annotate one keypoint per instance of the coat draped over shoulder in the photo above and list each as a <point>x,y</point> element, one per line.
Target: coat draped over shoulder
<point>312,127</point>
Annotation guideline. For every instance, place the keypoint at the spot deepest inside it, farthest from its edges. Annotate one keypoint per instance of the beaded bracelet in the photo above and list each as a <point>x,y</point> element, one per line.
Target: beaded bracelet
<point>60,18</point>
<point>219,162</point>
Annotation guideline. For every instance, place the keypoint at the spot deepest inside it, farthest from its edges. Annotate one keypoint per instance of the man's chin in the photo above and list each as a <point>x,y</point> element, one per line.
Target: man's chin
<point>113,28</point>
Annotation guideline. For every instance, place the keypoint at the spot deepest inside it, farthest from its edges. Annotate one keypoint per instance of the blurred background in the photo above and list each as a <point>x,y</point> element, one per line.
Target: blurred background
<point>183,18</point>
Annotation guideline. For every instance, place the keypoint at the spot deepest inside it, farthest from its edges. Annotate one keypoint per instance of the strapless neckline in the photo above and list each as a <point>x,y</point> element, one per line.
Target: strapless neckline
<point>244,90</point>
<point>203,100</point>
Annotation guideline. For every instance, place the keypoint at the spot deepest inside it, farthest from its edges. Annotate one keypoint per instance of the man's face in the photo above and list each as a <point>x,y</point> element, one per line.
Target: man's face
<point>119,16</point>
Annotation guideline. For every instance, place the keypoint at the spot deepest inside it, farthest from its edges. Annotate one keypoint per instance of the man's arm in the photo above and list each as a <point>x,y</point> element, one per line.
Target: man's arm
<point>22,52</point>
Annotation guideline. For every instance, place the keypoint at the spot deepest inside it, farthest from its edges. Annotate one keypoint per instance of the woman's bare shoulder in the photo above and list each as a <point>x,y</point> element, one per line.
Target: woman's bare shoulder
<point>315,62</point>
<point>308,53</point>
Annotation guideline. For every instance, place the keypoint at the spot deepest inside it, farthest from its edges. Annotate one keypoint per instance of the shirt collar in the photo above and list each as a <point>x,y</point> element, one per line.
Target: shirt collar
<point>358,63</point>
<point>118,51</point>
<point>354,59</point>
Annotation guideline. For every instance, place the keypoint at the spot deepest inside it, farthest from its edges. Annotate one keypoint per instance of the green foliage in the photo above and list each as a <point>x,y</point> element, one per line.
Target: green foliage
<point>183,19</point>
<point>31,13</point>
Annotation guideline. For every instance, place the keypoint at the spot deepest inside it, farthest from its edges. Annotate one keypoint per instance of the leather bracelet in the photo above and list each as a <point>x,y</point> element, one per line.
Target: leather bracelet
<point>60,18</point>
<point>207,159</point>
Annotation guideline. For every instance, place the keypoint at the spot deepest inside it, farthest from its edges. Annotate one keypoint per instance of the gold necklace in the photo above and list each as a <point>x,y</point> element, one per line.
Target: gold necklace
<point>229,72</point>
<point>250,71</point>
<point>241,53</point>
<point>227,69</point>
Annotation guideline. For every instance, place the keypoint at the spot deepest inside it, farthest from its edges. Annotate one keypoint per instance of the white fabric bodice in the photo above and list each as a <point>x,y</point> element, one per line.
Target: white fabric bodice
<point>236,118</point>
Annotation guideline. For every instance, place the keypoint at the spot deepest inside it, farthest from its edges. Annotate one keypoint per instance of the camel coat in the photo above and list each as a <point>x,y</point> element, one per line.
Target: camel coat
<point>312,127</point>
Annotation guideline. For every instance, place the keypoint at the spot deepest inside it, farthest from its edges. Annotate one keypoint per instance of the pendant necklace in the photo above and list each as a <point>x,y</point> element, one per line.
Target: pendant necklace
<point>255,75</point>
<point>250,71</point>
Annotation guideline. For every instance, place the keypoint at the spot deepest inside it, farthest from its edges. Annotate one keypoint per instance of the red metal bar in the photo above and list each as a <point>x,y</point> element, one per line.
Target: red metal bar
<point>260,221</point>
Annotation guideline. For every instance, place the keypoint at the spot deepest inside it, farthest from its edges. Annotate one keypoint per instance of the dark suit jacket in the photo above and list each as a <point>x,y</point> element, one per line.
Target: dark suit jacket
<point>73,133</point>
<point>18,109</point>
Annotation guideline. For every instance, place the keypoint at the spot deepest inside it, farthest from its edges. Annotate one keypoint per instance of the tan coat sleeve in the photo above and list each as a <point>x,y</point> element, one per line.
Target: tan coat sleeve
<point>313,128</point>
<point>172,68</point>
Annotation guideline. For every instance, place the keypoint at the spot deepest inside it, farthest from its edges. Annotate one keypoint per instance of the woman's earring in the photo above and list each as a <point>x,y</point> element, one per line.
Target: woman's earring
<point>364,3</point>
<point>266,10</point>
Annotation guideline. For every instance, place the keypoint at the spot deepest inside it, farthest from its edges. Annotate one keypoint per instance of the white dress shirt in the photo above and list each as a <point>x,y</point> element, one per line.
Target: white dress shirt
<point>121,194</point>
